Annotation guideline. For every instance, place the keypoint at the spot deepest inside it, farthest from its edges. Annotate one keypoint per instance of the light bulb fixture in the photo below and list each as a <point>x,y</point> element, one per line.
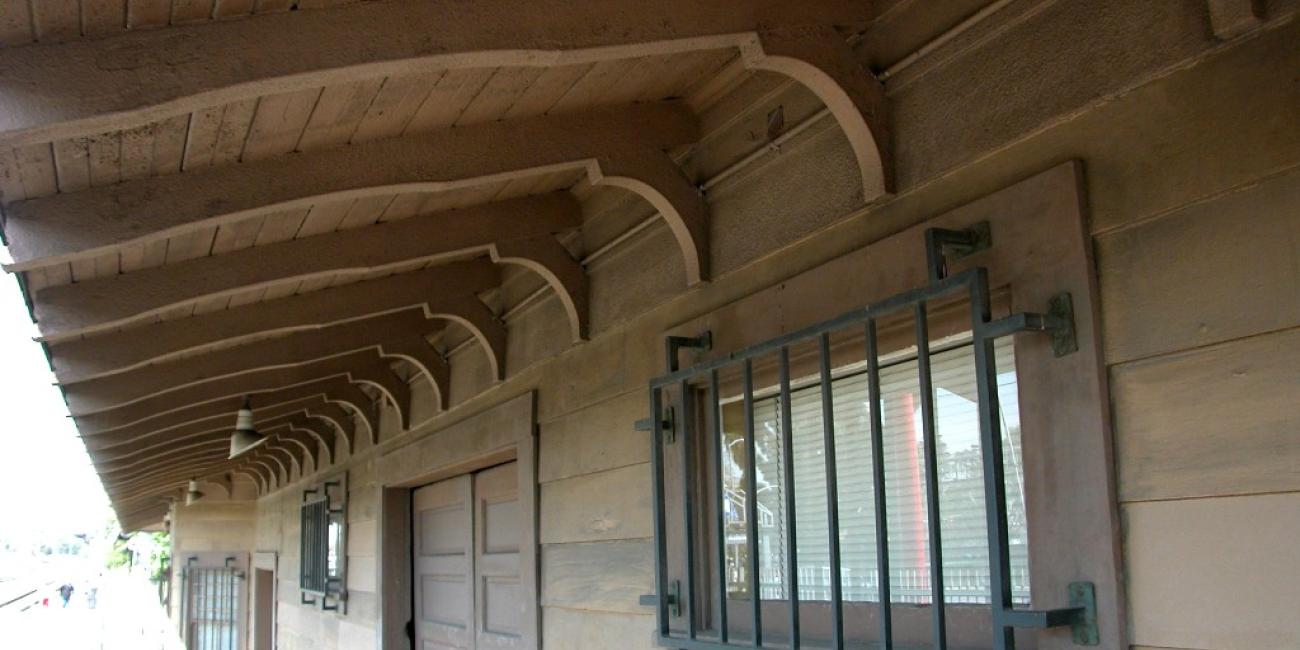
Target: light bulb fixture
<point>245,436</point>
<point>192,493</point>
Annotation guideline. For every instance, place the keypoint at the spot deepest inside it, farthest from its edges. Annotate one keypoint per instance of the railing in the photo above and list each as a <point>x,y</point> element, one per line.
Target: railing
<point>668,425</point>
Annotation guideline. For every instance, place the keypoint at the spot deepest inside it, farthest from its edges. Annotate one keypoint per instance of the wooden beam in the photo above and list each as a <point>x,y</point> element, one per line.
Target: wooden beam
<point>252,384</point>
<point>68,311</point>
<point>548,258</point>
<point>443,292</point>
<point>149,448</point>
<point>342,421</point>
<point>50,92</point>
<point>109,424</point>
<point>94,221</point>
<point>294,349</point>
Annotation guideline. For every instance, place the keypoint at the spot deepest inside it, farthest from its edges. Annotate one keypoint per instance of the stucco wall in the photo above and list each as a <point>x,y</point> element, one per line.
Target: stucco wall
<point>1190,148</point>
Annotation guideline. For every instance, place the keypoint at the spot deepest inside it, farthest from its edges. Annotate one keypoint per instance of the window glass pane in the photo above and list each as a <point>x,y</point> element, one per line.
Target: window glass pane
<point>961,492</point>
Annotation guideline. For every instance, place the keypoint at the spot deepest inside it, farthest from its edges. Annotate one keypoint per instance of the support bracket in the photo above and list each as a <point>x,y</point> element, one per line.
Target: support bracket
<point>674,343</point>
<point>673,599</point>
<point>943,245</point>
<point>1058,322</point>
<point>1080,616</point>
<point>668,424</point>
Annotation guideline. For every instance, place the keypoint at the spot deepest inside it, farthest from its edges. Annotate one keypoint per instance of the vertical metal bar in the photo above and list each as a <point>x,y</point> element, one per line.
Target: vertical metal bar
<point>995,502</point>
<point>787,480</point>
<point>751,505</point>
<point>832,493</point>
<point>720,444</point>
<point>878,487</point>
<point>930,434</point>
<point>657,495</point>
<point>685,435</point>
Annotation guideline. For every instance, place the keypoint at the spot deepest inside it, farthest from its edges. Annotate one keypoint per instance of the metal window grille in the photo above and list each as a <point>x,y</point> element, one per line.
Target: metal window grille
<point>322,551</point>
<point>678,604</point>
<point>212,597</point>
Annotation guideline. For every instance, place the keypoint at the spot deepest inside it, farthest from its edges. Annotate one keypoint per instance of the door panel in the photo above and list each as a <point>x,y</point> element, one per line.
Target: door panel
<point>500,609</point>
<point>443,564</point>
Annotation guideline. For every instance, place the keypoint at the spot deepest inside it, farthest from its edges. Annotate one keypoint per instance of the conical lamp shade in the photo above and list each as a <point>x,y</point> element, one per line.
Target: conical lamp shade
<point>192,493</point>
<point>245,435</point>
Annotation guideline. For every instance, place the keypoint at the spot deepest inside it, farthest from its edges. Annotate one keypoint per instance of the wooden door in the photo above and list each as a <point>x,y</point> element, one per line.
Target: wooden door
<point>443,564</point>
<point>466,536</point>
<point>499,610</point>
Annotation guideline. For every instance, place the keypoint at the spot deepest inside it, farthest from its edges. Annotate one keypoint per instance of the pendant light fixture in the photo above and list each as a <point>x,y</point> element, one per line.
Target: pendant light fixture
<point>245,435</point>
<point>192,493</point>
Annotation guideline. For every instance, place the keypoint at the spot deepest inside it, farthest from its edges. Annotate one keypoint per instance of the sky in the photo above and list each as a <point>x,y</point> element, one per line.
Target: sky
<point>48,488</point>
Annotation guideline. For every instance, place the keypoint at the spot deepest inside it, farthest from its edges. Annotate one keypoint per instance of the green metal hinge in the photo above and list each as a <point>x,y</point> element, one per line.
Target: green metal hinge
<point>1083,597</point>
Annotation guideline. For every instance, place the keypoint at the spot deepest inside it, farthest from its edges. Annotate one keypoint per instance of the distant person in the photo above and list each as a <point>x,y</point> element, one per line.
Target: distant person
<point>92,596</point>
<point>65,592</point>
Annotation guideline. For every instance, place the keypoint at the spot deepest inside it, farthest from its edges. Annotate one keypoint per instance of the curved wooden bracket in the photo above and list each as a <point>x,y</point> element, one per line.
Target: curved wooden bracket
<point>470,313</point>
<point>321,432</point>
<point>548,258</point>
<point>654,176</point>
<point>820,59</point>
<point>352,396</point>
<point>279,456</point>
<point>334,414</point>
<point>303,439</point>
<point>382,377</point>
<point>426,359</point>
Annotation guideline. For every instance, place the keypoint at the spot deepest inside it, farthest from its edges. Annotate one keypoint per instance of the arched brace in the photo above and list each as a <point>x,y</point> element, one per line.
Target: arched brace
<point>656,178</point>
<point>357,399</point>
<point>156,467</point>
<point>264,466</point>
<point>296,452</point>
<point>473,315</point>
<point>320,432</point>
<point>419,353</point>
<point>333,414</point>
<point>819,58</point>
<point>278,457</point>
<point>248,470</point>
<point>129,426</point>
<point>548,258</point>
<point>397,391</point>
<point>147,448</point>
<point>291,436</point>
<point>155,478</point>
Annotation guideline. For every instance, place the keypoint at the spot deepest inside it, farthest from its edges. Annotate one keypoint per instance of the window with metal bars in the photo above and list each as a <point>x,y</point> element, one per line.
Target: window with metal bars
<point>322,545</point>
<point>857,483</point>
<point>211,605</point>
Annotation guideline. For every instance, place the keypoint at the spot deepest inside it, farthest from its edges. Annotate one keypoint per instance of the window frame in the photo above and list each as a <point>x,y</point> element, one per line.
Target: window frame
<point>1040,248</point>
<point>329,498</point>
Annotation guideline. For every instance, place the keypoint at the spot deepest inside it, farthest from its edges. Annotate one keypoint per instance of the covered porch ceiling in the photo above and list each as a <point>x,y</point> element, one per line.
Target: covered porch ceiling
<point>310,206</point>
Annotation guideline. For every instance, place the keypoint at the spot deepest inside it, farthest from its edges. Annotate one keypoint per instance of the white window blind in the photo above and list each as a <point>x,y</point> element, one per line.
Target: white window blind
<point>961,490</point>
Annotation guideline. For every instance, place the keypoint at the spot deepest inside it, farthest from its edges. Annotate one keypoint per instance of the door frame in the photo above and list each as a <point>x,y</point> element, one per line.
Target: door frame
<point>262,561</point>
<point>501,434</point>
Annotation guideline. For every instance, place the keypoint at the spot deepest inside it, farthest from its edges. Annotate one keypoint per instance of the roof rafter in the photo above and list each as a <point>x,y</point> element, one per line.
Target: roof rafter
<point>94,221</point>
<point>293,349</point>
<point>446,292</point>
<point>66,311</point>
<point>85,87</point>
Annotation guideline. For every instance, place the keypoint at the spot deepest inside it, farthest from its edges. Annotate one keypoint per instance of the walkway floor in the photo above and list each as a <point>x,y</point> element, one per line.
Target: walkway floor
<point>126,616</point>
